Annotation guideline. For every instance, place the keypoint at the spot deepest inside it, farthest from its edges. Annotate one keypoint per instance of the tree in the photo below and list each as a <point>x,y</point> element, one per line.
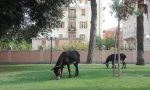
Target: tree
<point>41,14</point>
<point>99,42</point>
<point>92,31</point>
<point>128,8</point>
<point>140,31</point>
<point>142,8</point>
<point>109,42</point>
<point>119,10</point>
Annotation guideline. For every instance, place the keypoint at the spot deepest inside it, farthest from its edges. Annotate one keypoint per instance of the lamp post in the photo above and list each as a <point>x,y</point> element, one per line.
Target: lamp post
<point>51,38</point>
<point>147,37</point>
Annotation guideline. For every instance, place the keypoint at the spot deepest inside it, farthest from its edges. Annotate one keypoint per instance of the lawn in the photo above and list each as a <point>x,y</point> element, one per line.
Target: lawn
<point>92,77</point>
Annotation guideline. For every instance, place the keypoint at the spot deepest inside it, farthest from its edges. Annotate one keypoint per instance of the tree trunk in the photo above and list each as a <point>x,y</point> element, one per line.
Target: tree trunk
<point>93,31</point>
<point>118,47</point>
<point>140,36</point>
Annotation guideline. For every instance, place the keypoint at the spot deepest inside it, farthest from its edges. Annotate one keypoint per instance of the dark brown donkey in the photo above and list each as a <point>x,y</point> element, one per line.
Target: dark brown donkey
<point>67,58</point>
<point>111,57</point>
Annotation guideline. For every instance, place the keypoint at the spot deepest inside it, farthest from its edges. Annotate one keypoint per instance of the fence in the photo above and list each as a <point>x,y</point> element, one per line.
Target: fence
<point>13,57</point>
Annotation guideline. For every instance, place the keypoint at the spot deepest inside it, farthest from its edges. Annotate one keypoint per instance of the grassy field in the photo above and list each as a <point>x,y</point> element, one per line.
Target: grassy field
<point>92,77</point>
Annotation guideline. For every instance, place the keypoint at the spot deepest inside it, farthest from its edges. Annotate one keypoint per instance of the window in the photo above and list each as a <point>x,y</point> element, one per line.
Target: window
<point>72,35</point>
<point>72,25</point>
<point>83,24</point>
<point>82,36</point>
<point>60,36</point>
<point>72,13</point>
<point>62,24</point>
<point>83,12</point>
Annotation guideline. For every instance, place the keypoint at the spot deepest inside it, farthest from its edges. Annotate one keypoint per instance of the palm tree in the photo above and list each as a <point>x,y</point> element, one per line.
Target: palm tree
<point>127,8</point>
<point>93,31</point>
<point>142,8</point>
<point>140,32</point>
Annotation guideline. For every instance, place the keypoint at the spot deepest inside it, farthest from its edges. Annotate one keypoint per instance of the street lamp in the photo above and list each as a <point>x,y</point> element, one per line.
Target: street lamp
<point>147,37</point>
<point>51,37</point>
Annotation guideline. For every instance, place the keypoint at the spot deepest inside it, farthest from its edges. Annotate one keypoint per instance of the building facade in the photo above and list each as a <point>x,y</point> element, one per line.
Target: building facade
<point>111,33</point>
<point>129,28</point>
<point>75,25</point>
<point>76,21</point>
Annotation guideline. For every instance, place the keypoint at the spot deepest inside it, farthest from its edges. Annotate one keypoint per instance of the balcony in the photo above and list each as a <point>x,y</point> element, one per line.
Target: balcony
<point>72,34</point>
<point>72,16</point>
<point>71,29</point>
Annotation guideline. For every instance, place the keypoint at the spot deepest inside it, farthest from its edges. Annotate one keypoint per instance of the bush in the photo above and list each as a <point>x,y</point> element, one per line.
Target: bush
<point>16,45</point>
<point>4,44</point>
<point>77,46</point>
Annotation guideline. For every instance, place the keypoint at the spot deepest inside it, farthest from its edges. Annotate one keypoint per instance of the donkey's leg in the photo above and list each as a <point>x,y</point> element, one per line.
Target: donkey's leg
<point>113,64</point>
<point>107,65</point>
<point>77,71</point>
<point>61,71</point>
<point>124,64</point>
<point>68,66</point>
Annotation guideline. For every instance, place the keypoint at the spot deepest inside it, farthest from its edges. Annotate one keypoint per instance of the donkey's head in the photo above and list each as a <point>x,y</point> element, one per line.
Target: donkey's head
<point>57,71</point>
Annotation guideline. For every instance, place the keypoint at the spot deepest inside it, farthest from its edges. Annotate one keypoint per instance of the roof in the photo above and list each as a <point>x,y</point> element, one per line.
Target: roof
<point>111,29</point>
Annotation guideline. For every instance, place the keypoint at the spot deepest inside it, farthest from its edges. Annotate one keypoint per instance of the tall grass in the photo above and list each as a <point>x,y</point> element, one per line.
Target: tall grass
<point>92,77</point>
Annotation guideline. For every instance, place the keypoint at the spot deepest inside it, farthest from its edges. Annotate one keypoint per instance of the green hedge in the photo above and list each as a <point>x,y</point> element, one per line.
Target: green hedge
<point>16,45</point>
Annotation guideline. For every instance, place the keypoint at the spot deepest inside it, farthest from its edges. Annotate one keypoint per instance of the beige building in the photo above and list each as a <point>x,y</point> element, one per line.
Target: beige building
<point>129,31</point>
<point>75,26</point>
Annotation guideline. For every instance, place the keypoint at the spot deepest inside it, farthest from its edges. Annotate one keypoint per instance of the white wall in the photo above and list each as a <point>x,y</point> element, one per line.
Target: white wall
<point>79,18</point>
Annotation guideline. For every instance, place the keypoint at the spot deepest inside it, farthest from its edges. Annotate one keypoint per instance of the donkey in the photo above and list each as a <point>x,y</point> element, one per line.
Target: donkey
<point>111,58</point>
<point>67,58</point>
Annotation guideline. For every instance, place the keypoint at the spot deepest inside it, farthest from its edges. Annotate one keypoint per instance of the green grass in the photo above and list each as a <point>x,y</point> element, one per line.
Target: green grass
<point>92,77</point>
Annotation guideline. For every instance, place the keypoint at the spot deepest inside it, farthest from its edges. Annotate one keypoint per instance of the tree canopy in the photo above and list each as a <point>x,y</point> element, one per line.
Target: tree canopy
<point>19,14</point>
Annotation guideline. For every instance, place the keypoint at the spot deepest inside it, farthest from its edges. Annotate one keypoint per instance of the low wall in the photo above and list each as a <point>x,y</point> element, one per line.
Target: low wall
<point>11,57</point>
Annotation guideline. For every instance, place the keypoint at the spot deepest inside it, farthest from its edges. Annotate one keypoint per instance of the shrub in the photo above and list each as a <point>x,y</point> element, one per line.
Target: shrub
<point>77,46</point>
<point>16,45</point>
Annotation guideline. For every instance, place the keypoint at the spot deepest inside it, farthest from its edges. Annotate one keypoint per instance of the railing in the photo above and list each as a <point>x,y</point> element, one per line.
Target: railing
<point>71,16</point>
<point>72,29</point>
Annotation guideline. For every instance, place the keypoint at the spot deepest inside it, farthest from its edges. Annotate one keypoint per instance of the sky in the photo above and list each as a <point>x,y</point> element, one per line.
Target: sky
<point>110,20</point>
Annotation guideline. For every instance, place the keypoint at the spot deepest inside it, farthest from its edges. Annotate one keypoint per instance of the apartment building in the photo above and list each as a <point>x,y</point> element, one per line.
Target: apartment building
<point>129,28</point>
<point>75,25</point>
<point>111,33</point>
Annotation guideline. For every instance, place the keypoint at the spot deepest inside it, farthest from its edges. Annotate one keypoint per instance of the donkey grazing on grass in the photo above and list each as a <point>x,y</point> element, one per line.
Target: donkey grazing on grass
<point>67,58</point>
<point>111,58</point>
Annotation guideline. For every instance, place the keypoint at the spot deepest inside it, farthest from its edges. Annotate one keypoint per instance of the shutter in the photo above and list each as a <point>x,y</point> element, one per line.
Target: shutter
<point>80,24</point>
<point>68,25</point>
<point>75,25</point>
<point>80,1</point>
<point>86,25</point>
